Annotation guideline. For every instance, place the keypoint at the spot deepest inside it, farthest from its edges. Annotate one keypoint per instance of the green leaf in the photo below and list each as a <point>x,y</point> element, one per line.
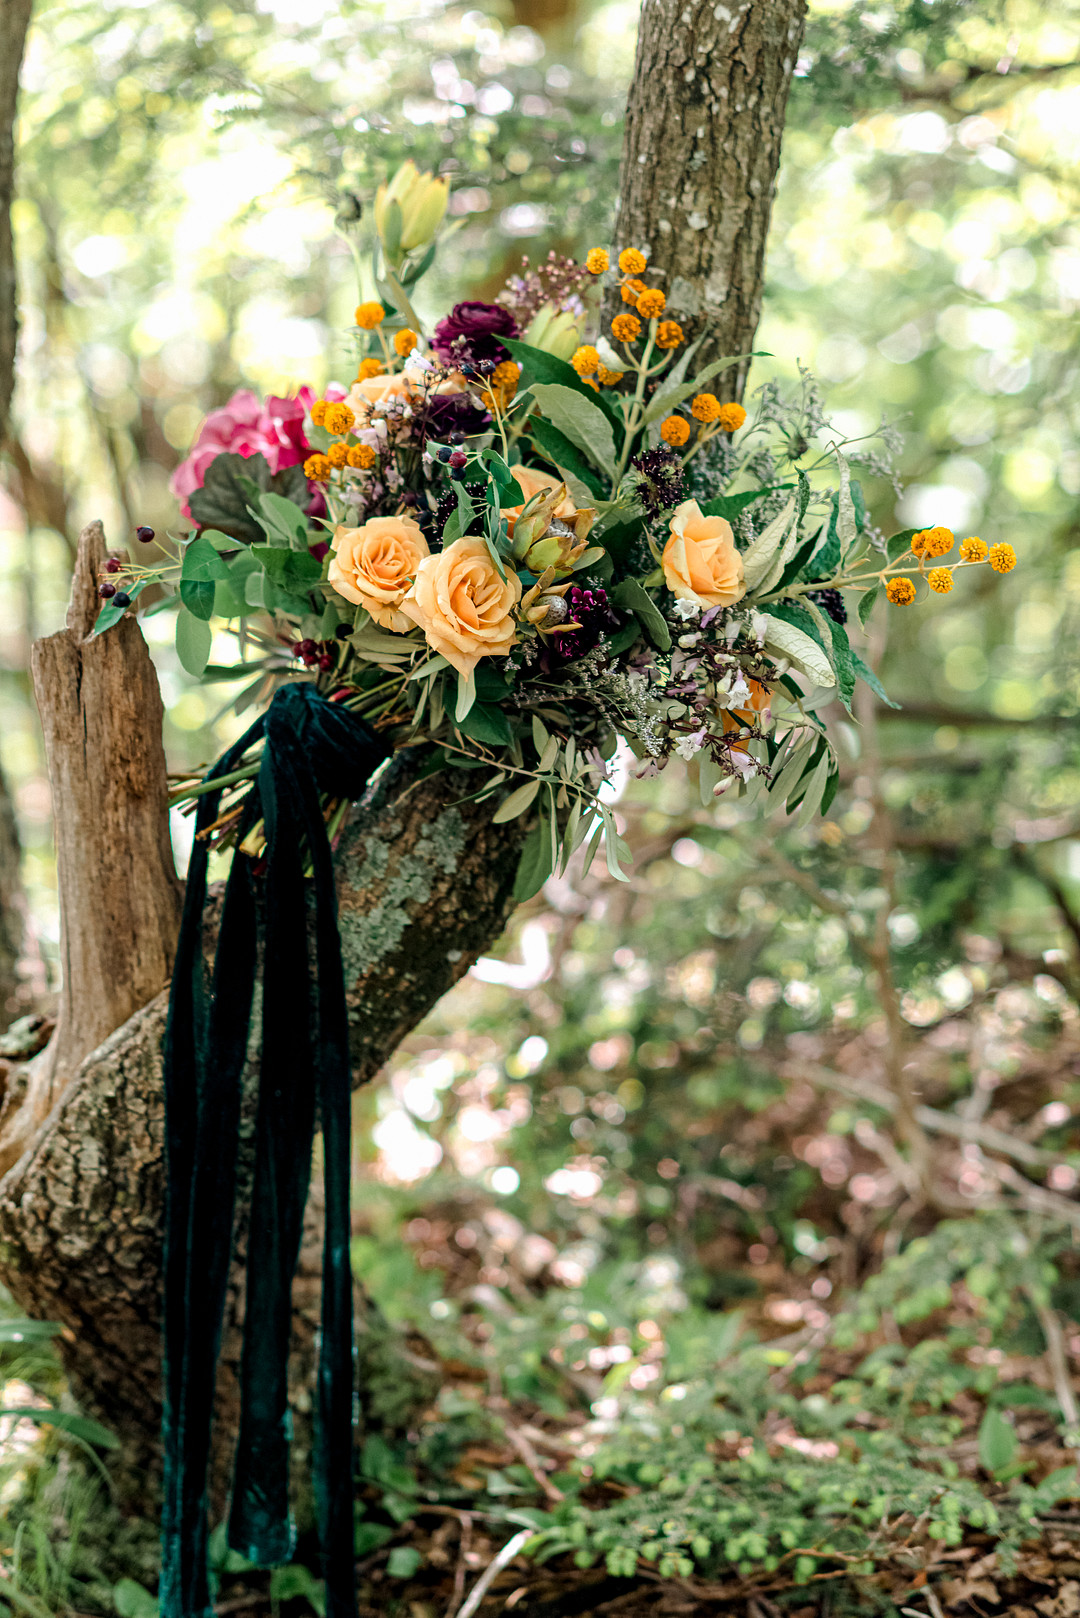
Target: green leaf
<point>900,543</point>
<point>29,1331</point>
<point>370,1536</point>
<point>297,1582</point>
<point>846,528</point>
<point>867,675</point>
<point>845,669</point>
<point>516,804</point>
<point>540,367</point>
<point>633,597</point>
<point>764,561</point>
<point>867,603</point>
<point>488,725</point>
<point>562,453</point>
<point>624,638</point>
<point>293,570</point>
<point>283,521</point>
<point>198,597</point>
<point>201,562</point>
<point>132,1600</point>
<point>110,615</point>
<point>800,650</point>
<point>234,483</point>
<point>579,420</point>
<point>403,1561</point>
<point>193,641</point>
<point>91,1432</point>
<point>535,865</point>
<point>730,505</point>
<point>997,1441</point>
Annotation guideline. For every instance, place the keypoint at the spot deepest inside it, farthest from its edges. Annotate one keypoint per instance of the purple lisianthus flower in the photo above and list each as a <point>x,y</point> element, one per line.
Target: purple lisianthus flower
<point>471,332</point>
<point>444,413</point>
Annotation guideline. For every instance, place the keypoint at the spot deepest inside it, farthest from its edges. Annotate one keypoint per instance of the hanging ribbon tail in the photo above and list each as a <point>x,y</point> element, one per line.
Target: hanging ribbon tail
<point>202,1064</point>
<point>312,746</point>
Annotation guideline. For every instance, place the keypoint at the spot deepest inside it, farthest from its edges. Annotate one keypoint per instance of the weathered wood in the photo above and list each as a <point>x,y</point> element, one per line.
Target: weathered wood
<point>704,120</point>
<point>101,714</point>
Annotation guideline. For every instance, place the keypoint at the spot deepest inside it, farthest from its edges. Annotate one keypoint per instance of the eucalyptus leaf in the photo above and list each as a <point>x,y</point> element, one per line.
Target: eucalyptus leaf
<point>517,803</point>
<point>759,558</point>
<point>666,398</point>
<point>633,597</point>
<point>193,641</point>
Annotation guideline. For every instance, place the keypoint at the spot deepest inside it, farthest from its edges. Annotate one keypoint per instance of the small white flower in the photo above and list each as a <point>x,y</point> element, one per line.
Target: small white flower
<point>686,610</point>
<point>686,641</point>
<point>688,746</point>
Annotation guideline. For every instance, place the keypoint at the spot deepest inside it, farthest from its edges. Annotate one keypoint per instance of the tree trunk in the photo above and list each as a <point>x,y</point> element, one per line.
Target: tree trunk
<point>14,21</point>
<point>424,879</point>
<point>702,146</point>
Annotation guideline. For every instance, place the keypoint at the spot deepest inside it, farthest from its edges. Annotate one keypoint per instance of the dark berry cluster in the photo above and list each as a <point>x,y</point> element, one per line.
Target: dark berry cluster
<point>662,482</point>
<point>831,602</point>
<point>316,654</point>
<point>591,609</point>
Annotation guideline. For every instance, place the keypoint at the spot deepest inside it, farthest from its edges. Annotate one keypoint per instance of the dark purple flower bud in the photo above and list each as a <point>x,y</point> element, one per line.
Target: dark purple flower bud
<point>470,333</point>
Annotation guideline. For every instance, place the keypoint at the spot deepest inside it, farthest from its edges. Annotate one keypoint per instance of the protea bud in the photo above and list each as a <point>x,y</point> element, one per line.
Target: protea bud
<point>409,210</point>
<point>555,331</point>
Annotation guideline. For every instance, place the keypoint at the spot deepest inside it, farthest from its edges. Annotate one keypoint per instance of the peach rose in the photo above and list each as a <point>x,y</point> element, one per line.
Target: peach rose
<point>406,385</point>
<point>701,563</point>
<point>531,482</point>
<point>375,565</point>
<point>464,608</point>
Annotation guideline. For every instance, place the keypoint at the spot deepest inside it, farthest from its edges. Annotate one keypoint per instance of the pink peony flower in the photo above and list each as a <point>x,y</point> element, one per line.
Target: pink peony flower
<point>246,427</point>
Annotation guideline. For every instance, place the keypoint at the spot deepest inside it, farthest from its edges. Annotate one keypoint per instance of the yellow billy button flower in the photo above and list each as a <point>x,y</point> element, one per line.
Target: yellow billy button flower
<point>338,419</point>
<point>506,374</point>
<point>669,334</point>
<point>369,368</point>
<point>597,261</point>
<point>1002,558</point>
<point>369,315</point>
<point>632,290</point>
<point>362,457</point>
<point>338,455</point>
<point>974,549</point>
<point>585,360</point>
<point>705,407</point>
<point>631,262</point>
<point>626,328</point>
<point>901,592</point>
<point>610,379</point>
<point>405,341</point>
<point>674,430</point>
<point>651,304</point>
<point>940,580</point>
<point>731,417</point>
<point>317,468</point>
<point>318,412</point>
<point>932,542</point>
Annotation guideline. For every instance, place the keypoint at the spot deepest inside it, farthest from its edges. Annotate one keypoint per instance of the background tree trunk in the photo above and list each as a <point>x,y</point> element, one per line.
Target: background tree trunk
<point>14,21</point>
<point>424,884</point>
<point>701,150</point>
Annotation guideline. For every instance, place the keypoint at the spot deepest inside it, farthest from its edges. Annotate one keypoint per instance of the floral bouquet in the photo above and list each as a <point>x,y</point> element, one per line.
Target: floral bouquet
<point>533,534</point>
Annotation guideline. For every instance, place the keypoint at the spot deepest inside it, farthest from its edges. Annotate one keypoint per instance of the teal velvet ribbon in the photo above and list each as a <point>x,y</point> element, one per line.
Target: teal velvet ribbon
<point>311,745</point>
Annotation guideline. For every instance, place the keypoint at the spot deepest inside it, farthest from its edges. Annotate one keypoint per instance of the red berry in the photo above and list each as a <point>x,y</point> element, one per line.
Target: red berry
<point>144,533</point>
<point>105,590</point>
<point>113,565</point>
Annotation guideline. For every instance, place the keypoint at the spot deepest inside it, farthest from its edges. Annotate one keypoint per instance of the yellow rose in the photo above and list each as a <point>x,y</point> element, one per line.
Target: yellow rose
<point>531,482</point>
<point>464,608</point>
<point>375,565</point>
<point>701,563</point>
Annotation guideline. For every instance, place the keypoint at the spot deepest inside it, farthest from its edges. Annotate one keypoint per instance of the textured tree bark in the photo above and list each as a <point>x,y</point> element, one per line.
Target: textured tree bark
<point>14,21</point>
<point>701,150</point>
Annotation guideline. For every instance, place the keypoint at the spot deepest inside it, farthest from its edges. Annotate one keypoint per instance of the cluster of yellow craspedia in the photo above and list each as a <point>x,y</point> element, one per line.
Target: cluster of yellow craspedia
<point>317,468</point>
<point>675,430</point>
<point>369,368</point>
<point>706,409</point>
<point>626,328</point>
<point>935,542</point>
<point>597,260</point>
<point>362,457</point>
<point>631,290</point>
<point>608,378</point>
<point>631,261</point>
<point>586,360</point>
<point>651,304</point>
<point>369,315</point>
<point>405,341</point>
<point>669,334</point>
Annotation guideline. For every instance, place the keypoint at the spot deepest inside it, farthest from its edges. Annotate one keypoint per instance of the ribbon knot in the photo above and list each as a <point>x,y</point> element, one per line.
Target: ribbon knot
<point>304,1074</point>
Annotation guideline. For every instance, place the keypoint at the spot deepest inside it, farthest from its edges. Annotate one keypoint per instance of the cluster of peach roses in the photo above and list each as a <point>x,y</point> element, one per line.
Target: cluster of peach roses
<point>467,609</point>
